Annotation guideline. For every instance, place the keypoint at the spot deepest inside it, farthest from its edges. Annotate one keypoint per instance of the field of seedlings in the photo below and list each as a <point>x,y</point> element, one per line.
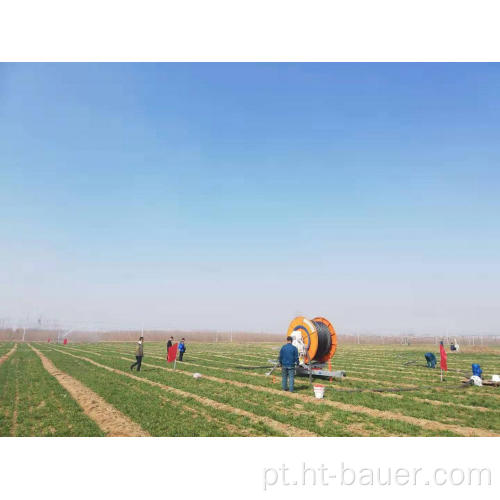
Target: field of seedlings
<point>89,390</point>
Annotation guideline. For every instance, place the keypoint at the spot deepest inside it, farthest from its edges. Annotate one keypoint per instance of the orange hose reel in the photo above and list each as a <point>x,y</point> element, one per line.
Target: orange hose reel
<point>318,335</point>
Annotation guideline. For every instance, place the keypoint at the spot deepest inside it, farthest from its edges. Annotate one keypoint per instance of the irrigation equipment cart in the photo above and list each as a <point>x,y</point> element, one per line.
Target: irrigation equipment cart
<point>316,341</point>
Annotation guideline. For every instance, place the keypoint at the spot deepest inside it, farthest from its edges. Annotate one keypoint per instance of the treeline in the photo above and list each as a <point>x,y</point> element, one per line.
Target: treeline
<point>41,335</point>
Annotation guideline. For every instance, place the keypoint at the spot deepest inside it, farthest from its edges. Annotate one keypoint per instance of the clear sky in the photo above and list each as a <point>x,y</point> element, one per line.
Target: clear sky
<point>236,196</point>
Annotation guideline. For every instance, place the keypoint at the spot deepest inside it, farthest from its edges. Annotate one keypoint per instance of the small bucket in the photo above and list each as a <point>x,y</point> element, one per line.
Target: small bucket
<point>319,391</point>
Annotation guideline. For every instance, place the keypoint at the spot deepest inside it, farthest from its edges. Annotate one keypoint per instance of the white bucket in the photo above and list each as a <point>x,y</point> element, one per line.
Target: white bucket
<point>319,391</point>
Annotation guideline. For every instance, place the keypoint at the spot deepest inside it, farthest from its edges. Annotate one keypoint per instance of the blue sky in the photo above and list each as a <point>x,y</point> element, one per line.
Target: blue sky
<point>237,195</point>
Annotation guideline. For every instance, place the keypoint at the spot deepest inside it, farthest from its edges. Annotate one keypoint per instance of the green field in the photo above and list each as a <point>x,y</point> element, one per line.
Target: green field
<point>381,395</point>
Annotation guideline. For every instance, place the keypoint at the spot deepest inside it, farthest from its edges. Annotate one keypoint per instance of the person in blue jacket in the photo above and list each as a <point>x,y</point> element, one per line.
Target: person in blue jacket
<point>182,348</point>
<point>431,360</point>
<point>477,370</point>
<point>289,357</point>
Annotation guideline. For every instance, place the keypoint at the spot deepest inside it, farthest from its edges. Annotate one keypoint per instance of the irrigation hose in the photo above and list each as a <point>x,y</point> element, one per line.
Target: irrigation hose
<point>395,389</point>
<point>414,363</point>
<point>324,339</point>
<point>253,367</point>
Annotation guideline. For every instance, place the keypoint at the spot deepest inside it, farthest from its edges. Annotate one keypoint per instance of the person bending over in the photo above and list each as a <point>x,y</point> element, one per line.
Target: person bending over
<point>431,360</point>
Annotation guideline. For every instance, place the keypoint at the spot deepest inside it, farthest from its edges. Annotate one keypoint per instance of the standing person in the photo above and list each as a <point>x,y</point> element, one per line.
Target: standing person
<point>139,353</point>
<point>289,357</point>
<point>169,344</point>
<point>182,348</point>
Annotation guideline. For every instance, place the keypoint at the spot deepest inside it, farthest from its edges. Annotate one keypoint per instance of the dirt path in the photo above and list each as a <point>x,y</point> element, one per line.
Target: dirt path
<point>107,417</point>
<point>436,402</point>
<point>10,353</point>
<point>288,430</point>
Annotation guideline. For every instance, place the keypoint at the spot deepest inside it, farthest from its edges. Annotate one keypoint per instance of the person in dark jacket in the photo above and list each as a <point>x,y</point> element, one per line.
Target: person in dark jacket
<point>139,353</point>
<point>431,360</point>
<point>169,343</point>
<point>182,348</point>
<point>289,357</point>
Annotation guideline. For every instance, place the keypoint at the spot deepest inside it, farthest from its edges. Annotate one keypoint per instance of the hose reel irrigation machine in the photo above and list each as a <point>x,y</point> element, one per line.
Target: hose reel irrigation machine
<point>316,341</point>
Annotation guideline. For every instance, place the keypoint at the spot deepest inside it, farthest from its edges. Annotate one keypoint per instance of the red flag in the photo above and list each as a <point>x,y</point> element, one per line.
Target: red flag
<point>442,352</point>
<point>172,353</point>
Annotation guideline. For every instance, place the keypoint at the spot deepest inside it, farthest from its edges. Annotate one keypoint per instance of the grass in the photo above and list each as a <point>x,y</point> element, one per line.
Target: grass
<point>5,347</point>
<point>32,403</point>
<point>231,401</point>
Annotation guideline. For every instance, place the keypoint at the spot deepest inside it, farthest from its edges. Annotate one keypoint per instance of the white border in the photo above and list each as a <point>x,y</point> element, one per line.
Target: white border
<point>223,468</point>
<point>257,30</point>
